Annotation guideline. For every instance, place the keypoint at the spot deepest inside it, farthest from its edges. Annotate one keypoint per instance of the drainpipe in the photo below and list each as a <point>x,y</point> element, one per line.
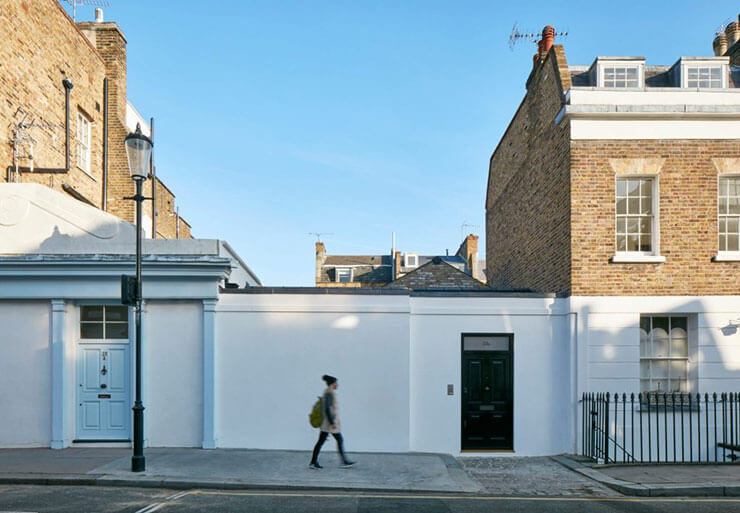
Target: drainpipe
<point>67,88</point>
<point>177,222</point>
<point>105,144</point>
<point>52,170</point>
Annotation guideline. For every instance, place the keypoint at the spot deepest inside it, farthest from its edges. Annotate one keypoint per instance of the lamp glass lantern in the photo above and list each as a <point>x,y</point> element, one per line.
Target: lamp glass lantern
<point>138,152</point>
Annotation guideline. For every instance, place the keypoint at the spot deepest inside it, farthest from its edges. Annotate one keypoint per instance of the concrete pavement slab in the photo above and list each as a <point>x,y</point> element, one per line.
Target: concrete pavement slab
<point>689,480</point>
<point>238,468</point>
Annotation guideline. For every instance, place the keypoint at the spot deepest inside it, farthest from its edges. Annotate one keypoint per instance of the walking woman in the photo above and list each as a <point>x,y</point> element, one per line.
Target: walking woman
<point>330,424</point>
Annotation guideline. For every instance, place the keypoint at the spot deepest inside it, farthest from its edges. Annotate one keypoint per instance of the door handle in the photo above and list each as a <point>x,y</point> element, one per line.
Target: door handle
<point>103,385</point>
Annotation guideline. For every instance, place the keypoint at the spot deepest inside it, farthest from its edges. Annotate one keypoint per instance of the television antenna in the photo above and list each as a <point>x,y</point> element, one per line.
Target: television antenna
<point>91,3</point>
<point>319,234</point>
<point>21,137</point>
<point>723,25</point>
<point>464,226</point>
<point>533,37</point>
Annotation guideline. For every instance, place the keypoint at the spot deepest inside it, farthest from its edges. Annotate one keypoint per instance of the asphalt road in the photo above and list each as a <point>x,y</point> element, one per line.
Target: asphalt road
<point>76,499</point>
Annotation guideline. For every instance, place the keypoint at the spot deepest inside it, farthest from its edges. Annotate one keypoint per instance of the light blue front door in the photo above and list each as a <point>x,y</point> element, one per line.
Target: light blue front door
<point>103,392</point>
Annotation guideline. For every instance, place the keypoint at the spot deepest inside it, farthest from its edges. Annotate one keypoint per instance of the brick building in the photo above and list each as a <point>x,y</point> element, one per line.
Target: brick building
<point>385,270</point>
<point>64,113</point>
<point>617,185</point>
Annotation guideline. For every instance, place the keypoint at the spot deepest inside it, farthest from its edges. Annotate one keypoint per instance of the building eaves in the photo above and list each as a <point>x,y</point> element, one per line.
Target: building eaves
<point>342,291</point>
<point>648,111</point>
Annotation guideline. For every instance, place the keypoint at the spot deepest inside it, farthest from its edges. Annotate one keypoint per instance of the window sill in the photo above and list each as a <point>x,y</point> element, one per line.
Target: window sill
<point>636,259</point>
<point>727,257</point>
<point>88,173</point>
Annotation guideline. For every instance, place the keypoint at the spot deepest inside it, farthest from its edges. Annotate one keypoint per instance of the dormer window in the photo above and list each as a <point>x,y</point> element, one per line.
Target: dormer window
<point>704,76</point>
<point>343,274</point>
<point>703,72</point>
<point>618,72</point>
<point>624,76</point>
<point>410,260</point>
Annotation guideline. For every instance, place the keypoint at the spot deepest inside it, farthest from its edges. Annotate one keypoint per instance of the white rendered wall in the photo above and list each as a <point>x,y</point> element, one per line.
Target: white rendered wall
<point>670,128</point>
<point>271,351</point>
<point>541,370</point>
<point>609,339</point>
<point>173,374</point>
<point>25,374</point>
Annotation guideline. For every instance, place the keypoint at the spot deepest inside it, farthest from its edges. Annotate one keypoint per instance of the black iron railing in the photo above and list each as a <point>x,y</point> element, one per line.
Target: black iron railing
<point>660,427</point>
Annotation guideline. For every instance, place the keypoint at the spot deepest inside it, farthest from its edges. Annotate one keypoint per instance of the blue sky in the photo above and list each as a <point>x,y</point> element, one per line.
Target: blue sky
<point>275,119</point>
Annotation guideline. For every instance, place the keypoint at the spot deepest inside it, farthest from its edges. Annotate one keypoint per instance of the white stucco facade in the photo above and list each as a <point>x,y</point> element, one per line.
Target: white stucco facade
<point>226,367</point>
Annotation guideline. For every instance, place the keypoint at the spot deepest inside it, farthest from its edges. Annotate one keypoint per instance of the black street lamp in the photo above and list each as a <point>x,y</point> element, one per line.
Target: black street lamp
<point>138,150</point>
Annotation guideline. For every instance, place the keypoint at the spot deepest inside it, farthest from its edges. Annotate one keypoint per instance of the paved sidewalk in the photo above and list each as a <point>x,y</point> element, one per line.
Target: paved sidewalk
<point>703,480</point>
<point>533,476</point>
<point>236,468</point>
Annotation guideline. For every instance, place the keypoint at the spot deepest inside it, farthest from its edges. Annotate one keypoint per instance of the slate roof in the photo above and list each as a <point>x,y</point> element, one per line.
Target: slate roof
<point>370,269</point>
<point>437,274</point>
<point>655,76</point>
<point>358,260</point>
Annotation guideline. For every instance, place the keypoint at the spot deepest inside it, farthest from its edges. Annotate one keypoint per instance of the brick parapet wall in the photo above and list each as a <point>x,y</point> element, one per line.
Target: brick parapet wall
<point>687,184</point>
<point>528,202</point>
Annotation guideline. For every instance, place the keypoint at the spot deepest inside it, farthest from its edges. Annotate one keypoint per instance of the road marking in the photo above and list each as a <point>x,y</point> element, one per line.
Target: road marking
<point>177,496</point>
<point>150,507</point>
<point>157,505</point>
<point>463,498</point>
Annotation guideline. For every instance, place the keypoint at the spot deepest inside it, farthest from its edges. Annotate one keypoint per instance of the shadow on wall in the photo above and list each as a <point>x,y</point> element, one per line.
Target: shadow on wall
<point>621,351</point>
<point>37,220</point>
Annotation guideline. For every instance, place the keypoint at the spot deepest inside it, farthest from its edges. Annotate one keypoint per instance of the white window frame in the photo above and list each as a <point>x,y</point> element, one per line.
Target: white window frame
<point>618,70</point>
<point>685,63</point>
<point>690,376</point>
<point>685,67</point>
<point>724,255</point>
<point>83,141</point>
<point>407,257</point>
<point>654,255</point>
<point>603,64</point>
<point>102,340</point>
<point>339,270</point>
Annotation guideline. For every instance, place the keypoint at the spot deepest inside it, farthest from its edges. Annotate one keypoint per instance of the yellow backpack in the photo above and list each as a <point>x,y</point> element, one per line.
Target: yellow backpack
<point>316,416</point>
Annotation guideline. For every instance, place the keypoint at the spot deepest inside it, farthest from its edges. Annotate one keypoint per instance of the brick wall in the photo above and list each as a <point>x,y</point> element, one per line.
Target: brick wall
<point>528,202</point>
<point>111,45</point>
<point>688,219</point>
<point>40,46</point>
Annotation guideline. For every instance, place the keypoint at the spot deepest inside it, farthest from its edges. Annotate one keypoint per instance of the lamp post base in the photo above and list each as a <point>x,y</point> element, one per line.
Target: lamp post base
<point>138,464</point>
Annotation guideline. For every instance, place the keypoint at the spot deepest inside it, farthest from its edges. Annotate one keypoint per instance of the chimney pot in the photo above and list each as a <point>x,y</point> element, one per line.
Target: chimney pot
<point>548,38</point>
<point>720,44</point>
<point>732,31</point>
<point>98,15</point>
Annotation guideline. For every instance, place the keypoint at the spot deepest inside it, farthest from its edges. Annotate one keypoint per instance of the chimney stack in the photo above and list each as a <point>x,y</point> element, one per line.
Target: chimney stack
<point>98,15</point>
<point>320,259</point>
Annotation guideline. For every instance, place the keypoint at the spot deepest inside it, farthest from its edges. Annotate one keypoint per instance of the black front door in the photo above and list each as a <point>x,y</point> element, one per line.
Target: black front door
<point>487,392</point>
